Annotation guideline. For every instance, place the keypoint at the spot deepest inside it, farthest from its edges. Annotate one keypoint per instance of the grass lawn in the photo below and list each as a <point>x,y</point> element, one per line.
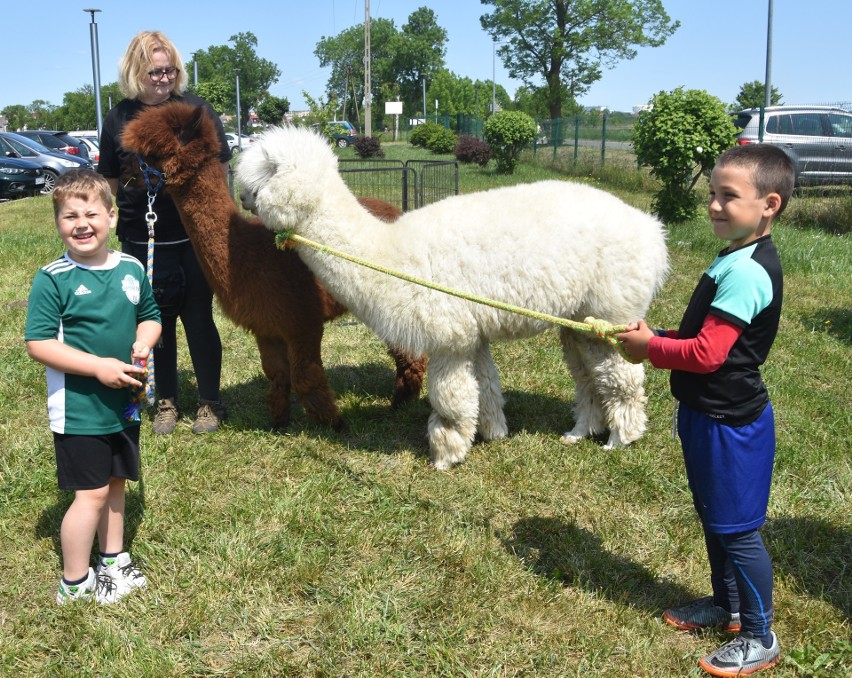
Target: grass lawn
<point>311,553</point>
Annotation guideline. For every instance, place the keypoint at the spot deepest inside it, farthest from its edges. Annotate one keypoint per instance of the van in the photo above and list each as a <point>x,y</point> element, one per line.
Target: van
<point>818,139</point>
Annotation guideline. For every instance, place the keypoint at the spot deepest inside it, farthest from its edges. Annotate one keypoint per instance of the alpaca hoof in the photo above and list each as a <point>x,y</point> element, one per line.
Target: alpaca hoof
<point>615,442</point>
<point>570,438</point>
<point>444,464</point>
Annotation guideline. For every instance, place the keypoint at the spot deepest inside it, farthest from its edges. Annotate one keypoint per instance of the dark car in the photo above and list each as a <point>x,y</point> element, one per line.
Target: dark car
<point>57,141</point>
<point>52,163</point>
<point>818,139</point>
<point>341,131</point>
<point>19,178</point>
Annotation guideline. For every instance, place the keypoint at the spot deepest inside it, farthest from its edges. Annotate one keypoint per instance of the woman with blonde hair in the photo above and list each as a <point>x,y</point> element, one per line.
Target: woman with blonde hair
<point>151,73</point>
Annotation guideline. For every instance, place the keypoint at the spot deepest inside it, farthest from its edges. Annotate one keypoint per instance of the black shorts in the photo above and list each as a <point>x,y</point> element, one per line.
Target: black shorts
<point>89,462</point>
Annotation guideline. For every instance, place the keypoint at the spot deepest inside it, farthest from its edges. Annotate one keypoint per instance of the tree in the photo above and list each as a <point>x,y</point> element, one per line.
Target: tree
<point>753,95</point>
<point>569,42</point>
<point>17,116</point>
<point>272,110</point>
<point>400,61</point>
<point>420,50</point>
<point>679,137</point>
<point>220,63</point>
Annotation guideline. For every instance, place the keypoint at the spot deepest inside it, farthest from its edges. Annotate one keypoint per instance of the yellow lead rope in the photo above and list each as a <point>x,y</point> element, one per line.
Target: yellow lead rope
<point>599,328</point>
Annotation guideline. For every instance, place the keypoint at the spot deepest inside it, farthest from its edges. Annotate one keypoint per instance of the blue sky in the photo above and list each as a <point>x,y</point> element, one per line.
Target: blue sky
<point>720,45</point>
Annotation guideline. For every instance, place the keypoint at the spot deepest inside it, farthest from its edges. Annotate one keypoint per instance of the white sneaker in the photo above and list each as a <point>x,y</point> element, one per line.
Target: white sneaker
<point>123,573</point>
<point>97,586</point>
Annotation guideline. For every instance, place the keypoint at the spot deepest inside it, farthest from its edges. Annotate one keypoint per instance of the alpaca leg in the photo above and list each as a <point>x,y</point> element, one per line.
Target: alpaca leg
<point>410,372</point>
<point>588,412</point>
<point>619,387</point>
<point>310,380</point>
<point>492,420</point>
<point>454,397</point>
<point>276,367</point>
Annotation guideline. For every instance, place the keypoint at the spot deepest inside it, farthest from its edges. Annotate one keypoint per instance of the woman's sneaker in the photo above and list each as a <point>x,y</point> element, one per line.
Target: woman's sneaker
<point>742,656</point>
<point>210,414</point>
<point>123,573</point>
<point>166,418</point>
<point>702,614</point>
<point>97,586</point>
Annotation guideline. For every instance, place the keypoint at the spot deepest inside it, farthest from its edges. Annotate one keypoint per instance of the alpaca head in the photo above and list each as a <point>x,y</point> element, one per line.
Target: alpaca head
<point>175,138</point>
<point>285,176</point>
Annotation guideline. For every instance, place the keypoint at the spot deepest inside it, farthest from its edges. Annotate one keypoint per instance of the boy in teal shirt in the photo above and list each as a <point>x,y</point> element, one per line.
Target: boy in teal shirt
<point>725,419</point>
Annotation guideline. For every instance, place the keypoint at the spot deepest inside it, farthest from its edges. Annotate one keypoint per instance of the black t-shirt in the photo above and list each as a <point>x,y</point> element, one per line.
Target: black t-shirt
<point>132,199</point>
<point>743,287</point>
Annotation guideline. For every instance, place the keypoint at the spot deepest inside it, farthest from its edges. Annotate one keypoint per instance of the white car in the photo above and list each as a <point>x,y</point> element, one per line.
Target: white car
<point>238,142</point>
<point>93,147</point>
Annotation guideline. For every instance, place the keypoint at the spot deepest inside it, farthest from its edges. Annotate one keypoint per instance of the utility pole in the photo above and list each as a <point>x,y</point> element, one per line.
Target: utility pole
<point>368,112</point>
<point>767,86</point>
<point>96,69</point>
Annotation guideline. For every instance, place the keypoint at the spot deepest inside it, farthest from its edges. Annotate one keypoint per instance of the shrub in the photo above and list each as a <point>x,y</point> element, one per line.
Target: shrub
<point>471,149</point>
<point>441,141</point>
<point>420,134</point>
<point>679,137</point>
<point>508,133</point>
<point>368,147</point>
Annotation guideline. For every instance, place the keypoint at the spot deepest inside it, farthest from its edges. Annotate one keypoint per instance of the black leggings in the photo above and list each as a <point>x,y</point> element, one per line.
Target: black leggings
<point>196,315</point>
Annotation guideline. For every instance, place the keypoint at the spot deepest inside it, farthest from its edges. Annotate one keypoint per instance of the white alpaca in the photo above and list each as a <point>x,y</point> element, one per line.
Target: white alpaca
<point>556,247</point>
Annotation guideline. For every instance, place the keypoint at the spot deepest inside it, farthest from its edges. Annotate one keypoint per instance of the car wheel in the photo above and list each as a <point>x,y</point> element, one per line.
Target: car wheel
<point>49,181</point>
<point>342,143</point>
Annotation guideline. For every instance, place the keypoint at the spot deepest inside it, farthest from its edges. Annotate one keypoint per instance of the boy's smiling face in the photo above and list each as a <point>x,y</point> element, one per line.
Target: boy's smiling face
<point>738,214</point>
<point>84,225</point>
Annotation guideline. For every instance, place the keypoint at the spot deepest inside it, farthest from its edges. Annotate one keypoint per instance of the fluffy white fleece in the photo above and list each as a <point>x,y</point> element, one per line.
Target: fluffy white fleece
<point>557,247</point>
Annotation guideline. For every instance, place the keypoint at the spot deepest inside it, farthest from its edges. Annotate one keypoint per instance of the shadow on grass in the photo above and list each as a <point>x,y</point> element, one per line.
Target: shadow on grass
<point>834,321</point>
<point>565,553</point>
<point>372,424</point>
<point>810,551</point>
<point>50,520</point>
<point>816,555</point>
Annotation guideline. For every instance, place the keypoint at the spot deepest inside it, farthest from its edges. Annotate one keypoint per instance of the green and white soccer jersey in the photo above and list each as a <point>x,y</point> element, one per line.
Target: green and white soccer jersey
<point>96,310</point>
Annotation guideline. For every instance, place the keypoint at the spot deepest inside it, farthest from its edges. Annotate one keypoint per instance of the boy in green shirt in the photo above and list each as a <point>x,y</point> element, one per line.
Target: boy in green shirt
<point>92,321</point>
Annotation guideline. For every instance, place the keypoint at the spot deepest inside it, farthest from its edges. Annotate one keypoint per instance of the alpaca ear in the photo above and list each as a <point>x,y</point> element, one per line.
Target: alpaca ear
<point>192,128</point>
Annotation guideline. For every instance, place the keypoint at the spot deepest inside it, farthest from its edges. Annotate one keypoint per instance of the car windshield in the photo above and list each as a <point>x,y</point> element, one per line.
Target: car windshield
<point>29,143</point>
<point>22,148</point>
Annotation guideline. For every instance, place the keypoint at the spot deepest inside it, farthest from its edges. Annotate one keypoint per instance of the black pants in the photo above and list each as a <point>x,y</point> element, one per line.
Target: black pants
<point>196,315</point>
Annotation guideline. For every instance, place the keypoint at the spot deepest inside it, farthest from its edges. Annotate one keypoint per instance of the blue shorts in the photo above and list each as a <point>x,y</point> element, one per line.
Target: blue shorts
<point>89,462</point>
<point>729,469</point>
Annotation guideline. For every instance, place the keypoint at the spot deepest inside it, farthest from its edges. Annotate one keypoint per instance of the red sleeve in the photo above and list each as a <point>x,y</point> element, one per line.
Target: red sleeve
<point>704,354</point>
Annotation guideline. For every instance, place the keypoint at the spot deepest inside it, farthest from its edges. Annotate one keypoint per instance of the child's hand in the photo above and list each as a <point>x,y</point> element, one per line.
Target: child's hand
<point>139,351</point>
<point>116,374</point>
<point>635,340</point>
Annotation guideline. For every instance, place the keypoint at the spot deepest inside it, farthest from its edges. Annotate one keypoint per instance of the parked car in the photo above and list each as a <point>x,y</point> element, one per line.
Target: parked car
<point>52,163</point>
<point>19,178</point>
<point>57,141</point>
<point>93,147</point>
<point>238,142</point>
<point>818,139</point>
<point>341,130</point>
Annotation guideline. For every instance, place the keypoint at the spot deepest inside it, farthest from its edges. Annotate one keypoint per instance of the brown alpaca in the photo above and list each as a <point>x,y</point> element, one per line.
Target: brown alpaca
<point>261,288</point>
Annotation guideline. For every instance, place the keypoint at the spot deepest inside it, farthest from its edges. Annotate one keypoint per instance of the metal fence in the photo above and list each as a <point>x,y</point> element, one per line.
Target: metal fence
<point>408,185</point>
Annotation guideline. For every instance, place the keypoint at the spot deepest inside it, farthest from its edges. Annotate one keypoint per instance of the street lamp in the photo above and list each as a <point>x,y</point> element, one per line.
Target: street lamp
<point>239,126</point>
<point>195,68</point>
<point>96,69</point>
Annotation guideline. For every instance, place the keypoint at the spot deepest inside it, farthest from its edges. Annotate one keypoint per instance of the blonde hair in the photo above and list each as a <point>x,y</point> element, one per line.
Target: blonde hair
<point>83,184</point>
<point>137,60</point>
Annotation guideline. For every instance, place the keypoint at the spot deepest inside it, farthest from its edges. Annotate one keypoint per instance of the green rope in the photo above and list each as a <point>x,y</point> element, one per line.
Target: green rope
<point>598,328</point>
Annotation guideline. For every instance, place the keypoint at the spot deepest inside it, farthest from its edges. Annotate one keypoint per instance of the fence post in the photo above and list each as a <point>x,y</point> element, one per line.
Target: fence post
<point>576,139</point>
<point>603,139</point>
